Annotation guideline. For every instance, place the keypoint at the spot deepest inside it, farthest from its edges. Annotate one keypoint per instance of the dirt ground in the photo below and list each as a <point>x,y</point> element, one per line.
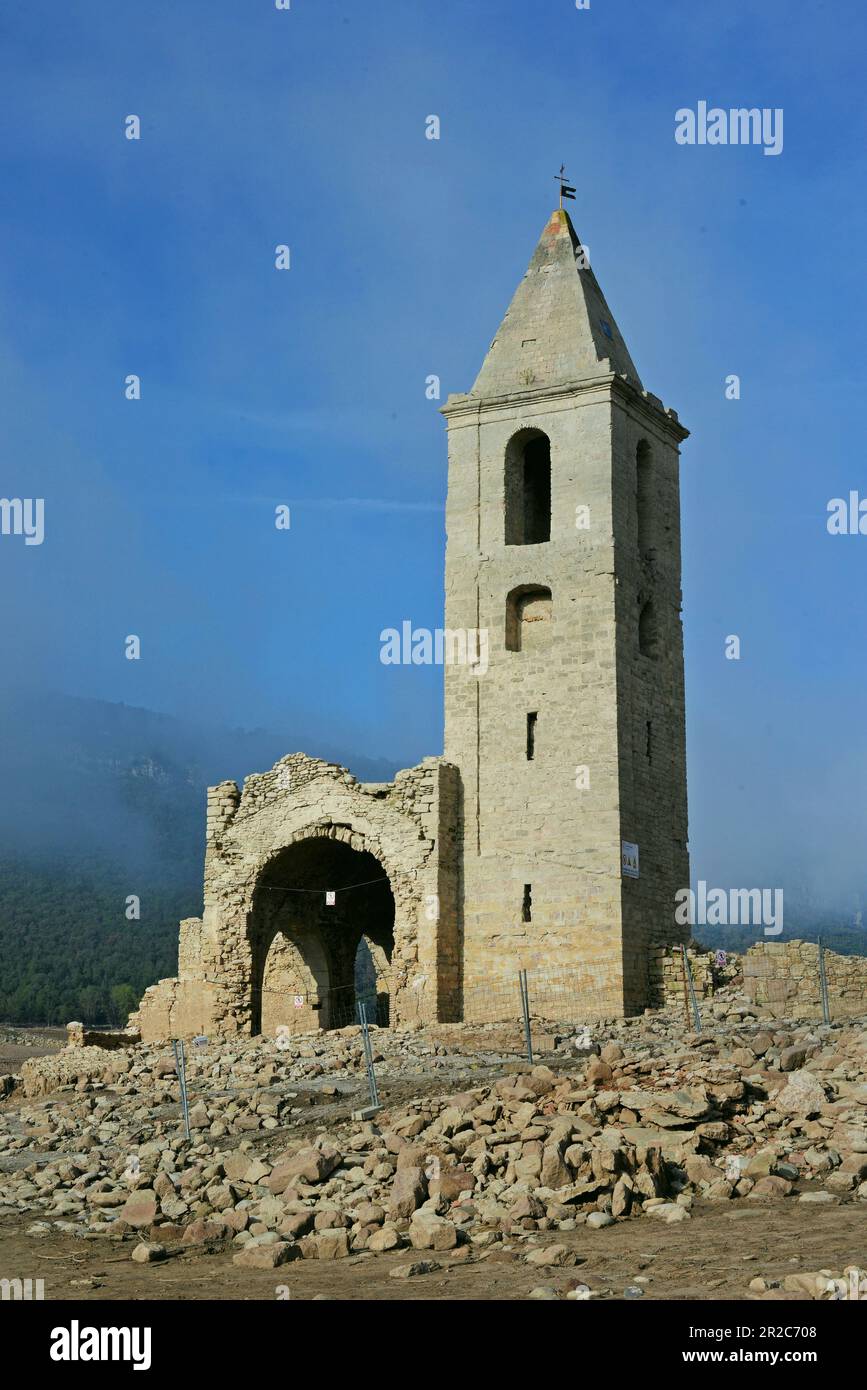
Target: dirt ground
<point>712,1256</point>
<point>12,1055</point>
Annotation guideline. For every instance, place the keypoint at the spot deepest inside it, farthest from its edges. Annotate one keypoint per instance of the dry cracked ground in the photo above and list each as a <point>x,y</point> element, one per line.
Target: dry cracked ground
<point>651,1163</point>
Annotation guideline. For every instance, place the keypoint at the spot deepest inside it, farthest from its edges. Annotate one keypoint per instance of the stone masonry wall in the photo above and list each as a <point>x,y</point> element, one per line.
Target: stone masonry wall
<point>650,684</point>
<point>667,971</point>
<point>783,976</point>
<point>408,826</point>
<point>528,822</point>
<point>780,977</point>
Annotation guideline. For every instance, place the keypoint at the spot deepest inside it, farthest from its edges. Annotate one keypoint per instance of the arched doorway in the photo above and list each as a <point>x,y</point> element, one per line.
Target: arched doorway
<point>372,981</point>
<point>312,957</point>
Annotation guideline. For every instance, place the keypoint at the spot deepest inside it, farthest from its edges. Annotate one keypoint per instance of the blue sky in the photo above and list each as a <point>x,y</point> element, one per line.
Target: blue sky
<point>306,127</point>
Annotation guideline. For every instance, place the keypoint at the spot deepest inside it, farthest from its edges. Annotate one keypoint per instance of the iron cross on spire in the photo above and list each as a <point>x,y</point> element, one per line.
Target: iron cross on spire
<point>566,189</point>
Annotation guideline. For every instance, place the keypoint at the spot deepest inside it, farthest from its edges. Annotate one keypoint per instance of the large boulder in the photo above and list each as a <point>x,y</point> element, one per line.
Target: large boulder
<point>803,1094</point>
<point>407,1193</point>
<point>308,1166</point>
<point>428,1231</point>
<point>266,1256</point>
<point>140,1208</point>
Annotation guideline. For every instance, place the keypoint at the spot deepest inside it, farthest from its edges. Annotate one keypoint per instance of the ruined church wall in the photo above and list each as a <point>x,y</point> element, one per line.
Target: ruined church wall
<point>401,823</point>
<point>780,977</point>
<point>783,976</point>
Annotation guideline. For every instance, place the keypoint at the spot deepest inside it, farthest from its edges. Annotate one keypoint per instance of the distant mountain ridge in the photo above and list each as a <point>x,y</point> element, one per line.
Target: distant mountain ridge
<point>83,775</point>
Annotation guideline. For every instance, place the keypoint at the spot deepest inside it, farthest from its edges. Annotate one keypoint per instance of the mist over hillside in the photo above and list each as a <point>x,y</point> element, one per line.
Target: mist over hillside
<point>104,800</point>
<point>101,801</point>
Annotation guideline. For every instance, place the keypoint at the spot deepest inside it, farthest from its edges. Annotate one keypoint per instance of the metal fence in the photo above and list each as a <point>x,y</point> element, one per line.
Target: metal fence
<point>802,982</point>
<point>309,1010</point>
<point>341,1006</point>
<point>559,999</point>
<point>519,1012</point>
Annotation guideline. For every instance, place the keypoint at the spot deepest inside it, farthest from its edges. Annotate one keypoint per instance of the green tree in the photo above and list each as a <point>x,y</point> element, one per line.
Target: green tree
<point>123,1001</point>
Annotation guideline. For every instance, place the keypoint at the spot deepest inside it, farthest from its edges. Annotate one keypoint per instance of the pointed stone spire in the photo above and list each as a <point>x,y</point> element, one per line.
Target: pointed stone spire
<point>558,327</point>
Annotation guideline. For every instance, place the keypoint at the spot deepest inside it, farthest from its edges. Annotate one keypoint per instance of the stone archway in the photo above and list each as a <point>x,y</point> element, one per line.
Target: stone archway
<point>304,948</point>
<point>259,947</point>
<point>373,980</point>
<point>295,983</point>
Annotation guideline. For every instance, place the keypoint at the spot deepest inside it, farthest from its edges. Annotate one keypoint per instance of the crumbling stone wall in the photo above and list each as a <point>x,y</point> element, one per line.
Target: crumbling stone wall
<point>782,977</point>
<point>707,976</point>
<point>79,1036</point>
<point>408,827</point>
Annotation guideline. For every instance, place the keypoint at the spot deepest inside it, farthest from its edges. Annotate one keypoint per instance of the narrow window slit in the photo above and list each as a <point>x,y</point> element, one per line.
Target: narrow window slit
<point>531,736</point>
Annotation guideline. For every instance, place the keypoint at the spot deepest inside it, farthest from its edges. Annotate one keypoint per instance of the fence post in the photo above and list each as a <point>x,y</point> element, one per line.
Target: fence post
<point>181,1069</point>
<point>693,998</point>
<point>368,1053</point>
<point>823,984</point>
<point>525,1009</point>
<point>685,986</point>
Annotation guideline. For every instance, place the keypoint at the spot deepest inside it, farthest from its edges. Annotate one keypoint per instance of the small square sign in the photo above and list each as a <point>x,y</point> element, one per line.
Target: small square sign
<point>299,1001</point>
<point>629,859</point>
<point>330,899</point>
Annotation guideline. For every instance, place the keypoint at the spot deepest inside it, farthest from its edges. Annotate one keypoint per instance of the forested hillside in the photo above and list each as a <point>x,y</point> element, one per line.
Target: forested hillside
<point>67,951</point>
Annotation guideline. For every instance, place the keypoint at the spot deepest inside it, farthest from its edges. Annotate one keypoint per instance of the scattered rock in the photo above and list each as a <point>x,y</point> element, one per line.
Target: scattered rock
<point>148,1252</point>
<point>266,1256</point>
<point>412,1270</point>
<point>558,1255</point>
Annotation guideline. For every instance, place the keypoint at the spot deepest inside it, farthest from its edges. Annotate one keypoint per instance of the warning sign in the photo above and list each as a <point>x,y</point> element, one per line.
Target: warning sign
<point>629,859</point>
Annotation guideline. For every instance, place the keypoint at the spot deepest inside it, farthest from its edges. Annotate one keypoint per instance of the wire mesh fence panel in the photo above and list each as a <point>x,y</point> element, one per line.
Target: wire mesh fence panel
<point>494,1000</point>
<point>312,1011</point>
<point>568,1000</point>
<point>806,997</point>
<point>340,1006</point>
<point>559,1005</point>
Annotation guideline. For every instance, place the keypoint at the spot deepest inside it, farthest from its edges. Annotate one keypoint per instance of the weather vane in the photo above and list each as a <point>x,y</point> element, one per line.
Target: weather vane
<point>566,189</point>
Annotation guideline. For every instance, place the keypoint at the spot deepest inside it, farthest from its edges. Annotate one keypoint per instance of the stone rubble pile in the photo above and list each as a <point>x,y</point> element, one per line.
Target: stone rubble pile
<point>833,1285</point>
<point>643,1123</point>
<point>18,1037</point>
<point>825,1285</point>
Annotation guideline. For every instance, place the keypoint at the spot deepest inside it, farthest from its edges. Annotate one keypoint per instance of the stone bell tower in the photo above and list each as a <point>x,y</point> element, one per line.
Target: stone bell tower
<point>563,530</point>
